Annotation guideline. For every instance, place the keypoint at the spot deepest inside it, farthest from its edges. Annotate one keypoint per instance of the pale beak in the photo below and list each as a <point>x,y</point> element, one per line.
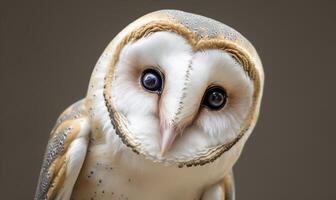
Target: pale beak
<point>168,136</point>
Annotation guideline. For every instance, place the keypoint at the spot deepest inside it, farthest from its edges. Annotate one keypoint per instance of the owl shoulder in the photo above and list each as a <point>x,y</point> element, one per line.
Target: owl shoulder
<point>65,153</point>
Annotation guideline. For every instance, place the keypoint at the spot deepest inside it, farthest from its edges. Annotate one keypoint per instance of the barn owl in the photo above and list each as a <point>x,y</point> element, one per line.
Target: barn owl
<point>170,105</point>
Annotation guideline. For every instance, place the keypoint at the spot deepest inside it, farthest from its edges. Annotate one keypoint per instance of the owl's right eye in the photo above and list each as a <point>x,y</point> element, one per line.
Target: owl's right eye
<point>151,80</point>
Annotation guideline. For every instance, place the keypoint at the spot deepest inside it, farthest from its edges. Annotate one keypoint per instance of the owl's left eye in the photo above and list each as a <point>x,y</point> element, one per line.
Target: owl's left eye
<point>151,80</point>
<point>215,98</point>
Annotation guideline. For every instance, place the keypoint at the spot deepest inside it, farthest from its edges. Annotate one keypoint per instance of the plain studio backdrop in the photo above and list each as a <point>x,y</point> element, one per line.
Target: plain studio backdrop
<point>49,48</point>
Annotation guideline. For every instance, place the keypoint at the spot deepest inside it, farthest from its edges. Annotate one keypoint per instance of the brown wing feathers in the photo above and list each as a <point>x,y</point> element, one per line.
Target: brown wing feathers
<point>53,170</point>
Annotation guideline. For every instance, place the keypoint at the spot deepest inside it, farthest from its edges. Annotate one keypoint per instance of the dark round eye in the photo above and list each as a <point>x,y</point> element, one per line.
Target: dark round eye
<point>215,98</point>
<point>151,80</point>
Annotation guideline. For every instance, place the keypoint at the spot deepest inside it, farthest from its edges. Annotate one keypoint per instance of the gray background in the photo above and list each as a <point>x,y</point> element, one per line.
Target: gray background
<point>49,48</point>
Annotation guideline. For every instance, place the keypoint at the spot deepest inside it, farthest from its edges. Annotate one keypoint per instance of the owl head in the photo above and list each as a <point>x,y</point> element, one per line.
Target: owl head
<point>177,88</point>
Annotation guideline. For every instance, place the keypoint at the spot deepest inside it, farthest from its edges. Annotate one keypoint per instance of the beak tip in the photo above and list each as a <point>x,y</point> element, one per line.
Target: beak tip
<point>164,148</point>
<point>168,137</point>
<point>162,153</point>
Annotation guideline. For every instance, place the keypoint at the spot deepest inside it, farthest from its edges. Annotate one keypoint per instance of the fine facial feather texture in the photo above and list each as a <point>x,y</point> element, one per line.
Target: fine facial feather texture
<point>187,75</point>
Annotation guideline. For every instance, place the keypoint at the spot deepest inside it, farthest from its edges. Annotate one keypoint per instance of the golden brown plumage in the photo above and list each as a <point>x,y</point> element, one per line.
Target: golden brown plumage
<point>55,172</point>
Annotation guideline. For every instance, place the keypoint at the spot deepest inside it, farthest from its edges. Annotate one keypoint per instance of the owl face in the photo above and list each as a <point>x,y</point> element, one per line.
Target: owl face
<point>176,96</point>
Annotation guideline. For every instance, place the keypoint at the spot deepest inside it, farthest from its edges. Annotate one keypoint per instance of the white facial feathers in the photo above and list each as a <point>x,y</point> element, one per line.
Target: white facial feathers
<point>187,75</point>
